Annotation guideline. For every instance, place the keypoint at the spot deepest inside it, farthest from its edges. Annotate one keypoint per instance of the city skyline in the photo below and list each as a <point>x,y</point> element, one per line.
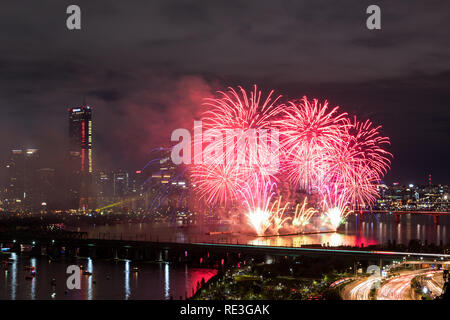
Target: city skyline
<point>33,183</point>
<point>67,142</point>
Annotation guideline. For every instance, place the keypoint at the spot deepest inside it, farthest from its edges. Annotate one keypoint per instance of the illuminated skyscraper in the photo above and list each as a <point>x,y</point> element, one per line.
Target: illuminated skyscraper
<point>80,157</point>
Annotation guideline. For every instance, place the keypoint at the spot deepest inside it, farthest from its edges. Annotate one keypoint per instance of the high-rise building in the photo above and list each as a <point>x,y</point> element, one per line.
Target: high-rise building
<point>120,183</point>
<point>46,193</point>
<point>166,182</point>
<point>15,176</point>
<point>161,167</point>
<point>21,174</point>
<point>104,184</point>
<point>31,185</point>
<point>137,182</point>
<point>80,157</point>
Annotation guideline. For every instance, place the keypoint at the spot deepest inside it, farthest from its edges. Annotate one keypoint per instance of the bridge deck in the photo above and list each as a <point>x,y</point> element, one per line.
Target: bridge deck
<point>78,240</point>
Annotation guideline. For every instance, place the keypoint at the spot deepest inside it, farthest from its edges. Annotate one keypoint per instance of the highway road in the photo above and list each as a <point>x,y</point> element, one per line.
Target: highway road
<point>360,289</point>
<point>435,283</point>
<point>399,288</point>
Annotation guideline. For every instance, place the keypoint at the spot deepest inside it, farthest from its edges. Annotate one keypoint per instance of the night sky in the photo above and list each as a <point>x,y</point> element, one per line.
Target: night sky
<point>144,66</point>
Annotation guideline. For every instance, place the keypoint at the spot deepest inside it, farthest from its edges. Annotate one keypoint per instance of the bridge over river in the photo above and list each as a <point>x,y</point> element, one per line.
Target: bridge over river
<point>78,244</point>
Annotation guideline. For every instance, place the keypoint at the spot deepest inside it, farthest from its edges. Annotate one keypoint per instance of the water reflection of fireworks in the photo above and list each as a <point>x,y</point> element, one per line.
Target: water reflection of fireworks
<point>267,216</point>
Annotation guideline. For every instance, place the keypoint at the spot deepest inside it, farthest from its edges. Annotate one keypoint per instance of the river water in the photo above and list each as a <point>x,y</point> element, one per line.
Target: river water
<point>109,280</point>
<point>117,280</point>
<point>356,231</point>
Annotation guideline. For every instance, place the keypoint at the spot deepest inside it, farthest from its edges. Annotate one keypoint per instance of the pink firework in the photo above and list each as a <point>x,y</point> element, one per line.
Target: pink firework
<point>322,151</point>
<point>257,202</point>
<point>366,140</point>
<point>278,218</point>
<point>358,162</point>
<point>262,211</point>
<point>234,111</point>
<point>248,143</point>
<point>303,214</point>
<point>218,184</point>
<point>309,130</point>
<point>335,206</point>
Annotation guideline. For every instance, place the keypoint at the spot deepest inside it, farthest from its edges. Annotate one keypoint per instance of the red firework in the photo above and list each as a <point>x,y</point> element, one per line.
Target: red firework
<point>248,155</point>
<point>218,184</point>
<point>234,111</point>
<point>324,151</point>
<point>309,130</point>
<point>358,162</point>
<point>366,140</point>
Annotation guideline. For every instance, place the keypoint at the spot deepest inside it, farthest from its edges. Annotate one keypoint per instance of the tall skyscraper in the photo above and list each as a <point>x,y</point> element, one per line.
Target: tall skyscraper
<point>80,157</point>
<point>21,185</point>
<point>46,193</point>
<point>121,183</point>
<point>30,179</point>
<point>104,184</point>
<point>15,172</point>
<point>161,168</point>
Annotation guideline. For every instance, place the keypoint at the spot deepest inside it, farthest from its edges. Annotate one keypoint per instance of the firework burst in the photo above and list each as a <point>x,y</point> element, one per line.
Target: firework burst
<point>248,156</point>
<point>357,163</point>
<point>302,214</point>
<point>365,140</point>
<point>321,151</point>
<point>257,201</point>
<point>335,206</point>
<point>278,218</point>
<point>218,184</point>
<point>309,130</point>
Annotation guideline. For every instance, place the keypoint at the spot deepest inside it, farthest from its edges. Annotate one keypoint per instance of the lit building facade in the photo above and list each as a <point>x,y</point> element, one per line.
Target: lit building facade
<point>80,158</point>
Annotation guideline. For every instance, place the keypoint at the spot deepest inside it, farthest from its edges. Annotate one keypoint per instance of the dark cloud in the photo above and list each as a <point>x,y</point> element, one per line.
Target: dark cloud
<point>106,95</point>
<point>145,65</point>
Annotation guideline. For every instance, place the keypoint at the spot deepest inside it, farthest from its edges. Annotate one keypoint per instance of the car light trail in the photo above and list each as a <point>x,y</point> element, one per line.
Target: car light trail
<point>398,288</point>
<point>320,250</point>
